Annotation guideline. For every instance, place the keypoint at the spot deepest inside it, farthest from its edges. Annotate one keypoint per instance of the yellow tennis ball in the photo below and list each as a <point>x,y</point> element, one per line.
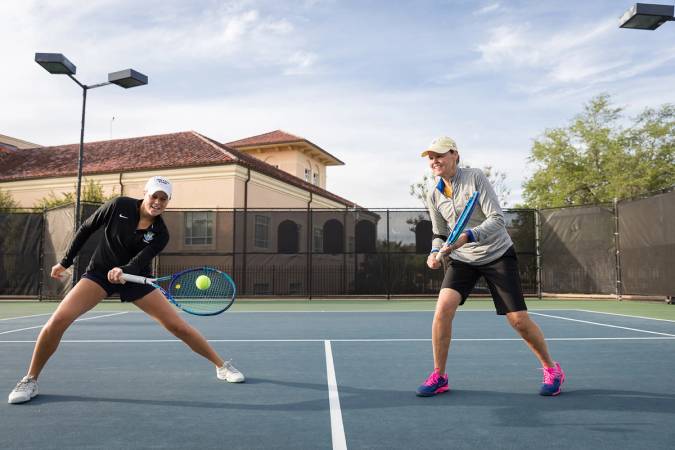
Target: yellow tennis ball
<point>203,282</point>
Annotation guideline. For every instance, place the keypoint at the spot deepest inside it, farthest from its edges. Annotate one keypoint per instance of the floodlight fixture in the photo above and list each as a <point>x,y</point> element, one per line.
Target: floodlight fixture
<point>127,78</point>
<point>646,16</point>
<point>55,63</point>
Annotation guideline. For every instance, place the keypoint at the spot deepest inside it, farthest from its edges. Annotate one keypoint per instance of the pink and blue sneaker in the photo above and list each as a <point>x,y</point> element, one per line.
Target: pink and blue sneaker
<point>435,384</point>
<point>554,377</point>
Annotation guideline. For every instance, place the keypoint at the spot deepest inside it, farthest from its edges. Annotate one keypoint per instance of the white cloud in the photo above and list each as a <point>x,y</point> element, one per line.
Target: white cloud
<point>510,44</point>
<point>232,69</point>
<point>489,8</point>
<point>300,63</point>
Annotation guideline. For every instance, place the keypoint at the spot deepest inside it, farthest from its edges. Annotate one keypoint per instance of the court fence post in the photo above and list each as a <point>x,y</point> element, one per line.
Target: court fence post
<point>41,283</point>
<point>388,265</point>
<point>345,238</point>
<point>617,248</point>
<point>310,232</point>
<point>234,244</point>
<point>537,238</point>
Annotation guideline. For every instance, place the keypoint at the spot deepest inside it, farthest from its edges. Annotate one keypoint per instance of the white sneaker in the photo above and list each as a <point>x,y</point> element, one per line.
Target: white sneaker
<point>25,390</point>
<point>230,373</point>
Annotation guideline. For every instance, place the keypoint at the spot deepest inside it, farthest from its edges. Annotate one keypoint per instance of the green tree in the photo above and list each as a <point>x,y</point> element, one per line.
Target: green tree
<point>92,191</point>
<point>595,159</point>
<point>497,179</point>
<point>421,189</point>
<point>7,202</point>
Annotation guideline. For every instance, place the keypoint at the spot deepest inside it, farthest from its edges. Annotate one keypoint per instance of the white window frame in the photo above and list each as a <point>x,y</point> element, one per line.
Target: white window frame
<point>189,237</point>
<point>261,238</point>
<point>317,238</point>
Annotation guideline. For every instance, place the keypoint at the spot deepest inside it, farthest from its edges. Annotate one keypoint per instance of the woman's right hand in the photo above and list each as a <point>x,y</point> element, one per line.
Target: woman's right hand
<point>57,271</point>
<point>432,262</point>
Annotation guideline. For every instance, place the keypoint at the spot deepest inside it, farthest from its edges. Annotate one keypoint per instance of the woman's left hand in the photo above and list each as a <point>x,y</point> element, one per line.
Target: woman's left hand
<point>115,276</point>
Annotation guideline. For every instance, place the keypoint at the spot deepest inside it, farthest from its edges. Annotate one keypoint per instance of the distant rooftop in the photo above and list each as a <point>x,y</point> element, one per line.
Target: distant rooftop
<point>280,137</point>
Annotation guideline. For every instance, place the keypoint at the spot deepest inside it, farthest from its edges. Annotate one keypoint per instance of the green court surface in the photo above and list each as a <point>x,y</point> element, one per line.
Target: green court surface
<point>651,309</point>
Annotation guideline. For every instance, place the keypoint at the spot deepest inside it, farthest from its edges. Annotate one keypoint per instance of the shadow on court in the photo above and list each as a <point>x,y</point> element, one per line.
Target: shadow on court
<point>507,405</point>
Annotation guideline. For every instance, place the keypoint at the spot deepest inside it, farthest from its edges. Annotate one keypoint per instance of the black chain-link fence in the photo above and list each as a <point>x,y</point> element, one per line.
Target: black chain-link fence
<point>368,252</point>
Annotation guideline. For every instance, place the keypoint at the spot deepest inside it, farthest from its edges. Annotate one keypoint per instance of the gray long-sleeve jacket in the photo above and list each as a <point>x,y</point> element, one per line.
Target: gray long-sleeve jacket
<point>486,223</point>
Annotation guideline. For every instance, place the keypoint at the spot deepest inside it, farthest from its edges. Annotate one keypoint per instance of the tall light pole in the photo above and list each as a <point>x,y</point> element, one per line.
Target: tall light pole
<point>646,16</point>
<point>58,64</point>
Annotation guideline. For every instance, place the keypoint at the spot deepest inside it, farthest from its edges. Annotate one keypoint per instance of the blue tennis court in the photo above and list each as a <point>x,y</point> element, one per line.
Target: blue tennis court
<point>342,379</point>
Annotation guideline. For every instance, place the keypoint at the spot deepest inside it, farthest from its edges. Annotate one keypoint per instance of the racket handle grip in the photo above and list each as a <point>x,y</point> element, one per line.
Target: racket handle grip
<point>439,256</point>
<point>136,278</point>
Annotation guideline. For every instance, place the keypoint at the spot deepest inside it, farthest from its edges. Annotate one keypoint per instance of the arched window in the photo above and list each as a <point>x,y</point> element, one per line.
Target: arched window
<point>333,237</point>
<point>423,235</point>
<point>288,237</point>
<point>365,237</point>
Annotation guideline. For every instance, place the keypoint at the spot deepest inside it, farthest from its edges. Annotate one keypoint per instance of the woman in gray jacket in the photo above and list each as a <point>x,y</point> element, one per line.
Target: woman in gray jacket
<point>483,249</point>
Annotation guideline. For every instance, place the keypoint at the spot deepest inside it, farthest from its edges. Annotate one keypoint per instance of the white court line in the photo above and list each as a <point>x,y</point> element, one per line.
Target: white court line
<point>78,320</point>
<point>159,341</point>
<point>431,309</point>
<point>604,324</point>
<point>625,315</point>
<point>337,429</point>
<point>25,317</point>
<point>281,311</point>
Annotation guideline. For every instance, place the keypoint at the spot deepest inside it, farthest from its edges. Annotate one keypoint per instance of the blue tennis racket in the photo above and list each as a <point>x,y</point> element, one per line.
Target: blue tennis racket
<point>461,222</point>
<point>202,291</point>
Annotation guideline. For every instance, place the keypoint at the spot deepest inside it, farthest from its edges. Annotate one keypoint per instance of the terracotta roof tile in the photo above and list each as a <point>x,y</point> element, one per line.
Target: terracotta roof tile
<point>276,137</point>
<point>121,155</point>
<point>273,137</point>
<point>166,151</point>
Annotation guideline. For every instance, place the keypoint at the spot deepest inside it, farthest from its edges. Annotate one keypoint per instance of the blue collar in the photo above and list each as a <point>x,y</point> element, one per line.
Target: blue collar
<point>441,186</point>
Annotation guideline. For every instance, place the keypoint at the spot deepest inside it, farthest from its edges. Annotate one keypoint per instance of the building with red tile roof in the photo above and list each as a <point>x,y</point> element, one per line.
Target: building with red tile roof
<point>205,173</point>
<point>293,154</point>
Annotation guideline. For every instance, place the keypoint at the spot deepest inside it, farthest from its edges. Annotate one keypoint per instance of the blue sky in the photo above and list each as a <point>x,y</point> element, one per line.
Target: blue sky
<point>372,82</point>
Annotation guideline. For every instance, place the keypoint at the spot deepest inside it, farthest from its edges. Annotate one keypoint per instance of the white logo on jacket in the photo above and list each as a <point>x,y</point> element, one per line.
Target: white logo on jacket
<point>147,237</point>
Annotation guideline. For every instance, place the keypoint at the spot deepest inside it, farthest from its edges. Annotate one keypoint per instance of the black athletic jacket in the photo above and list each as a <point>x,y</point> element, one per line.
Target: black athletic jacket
<point>122,245</point>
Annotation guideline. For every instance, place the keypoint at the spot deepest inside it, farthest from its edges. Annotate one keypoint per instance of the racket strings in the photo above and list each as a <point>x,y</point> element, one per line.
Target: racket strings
<point>199,298</point>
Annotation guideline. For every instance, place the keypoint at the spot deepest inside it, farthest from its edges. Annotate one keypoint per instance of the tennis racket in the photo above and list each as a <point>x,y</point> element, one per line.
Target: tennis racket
<point>202,291</point>
<point>461,222</point>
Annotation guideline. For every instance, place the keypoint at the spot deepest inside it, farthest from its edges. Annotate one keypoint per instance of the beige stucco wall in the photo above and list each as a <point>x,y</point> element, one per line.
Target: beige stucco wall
<point>15,142</point>
<point>27,192</point>
<point>268,192</point>
<point>201,187</point>
<point>205,187</point>
<point>291,159</point>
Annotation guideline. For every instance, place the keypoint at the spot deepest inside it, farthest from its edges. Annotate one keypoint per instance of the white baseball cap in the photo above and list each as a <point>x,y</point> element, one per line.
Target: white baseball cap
<point>158,183</point>
<point>441,145</point>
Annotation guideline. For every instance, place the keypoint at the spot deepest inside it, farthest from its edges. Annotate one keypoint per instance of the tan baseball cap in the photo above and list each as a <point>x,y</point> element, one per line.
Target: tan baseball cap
<point>158,183</point>
<point>441,145</point>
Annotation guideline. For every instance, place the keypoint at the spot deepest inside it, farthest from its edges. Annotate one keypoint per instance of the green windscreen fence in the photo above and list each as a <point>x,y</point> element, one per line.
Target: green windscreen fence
<point>647,244</point>
<point>577,250</point>
<point>366,252</point>
<point>20,253</point>
<point>56,236</point>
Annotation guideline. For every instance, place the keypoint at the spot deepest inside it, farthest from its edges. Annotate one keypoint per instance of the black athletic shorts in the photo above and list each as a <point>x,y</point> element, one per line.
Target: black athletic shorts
<point>129,292</point>
<point>501,275</point>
